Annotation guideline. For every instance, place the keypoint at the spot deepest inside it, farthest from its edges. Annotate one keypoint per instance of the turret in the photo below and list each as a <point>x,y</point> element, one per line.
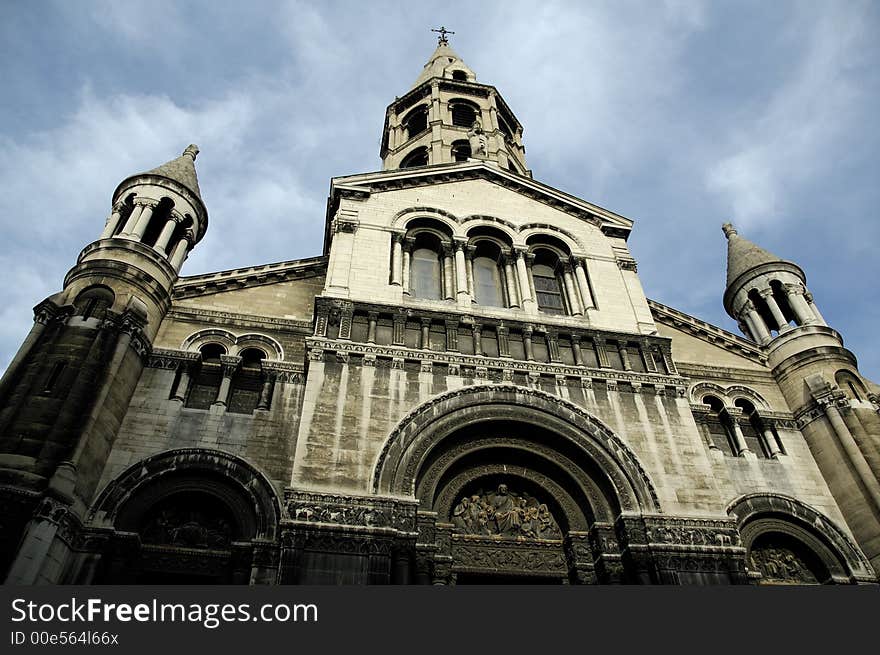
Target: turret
<point>65,393</point>
<point>819,378</point>
<point>449,117</point>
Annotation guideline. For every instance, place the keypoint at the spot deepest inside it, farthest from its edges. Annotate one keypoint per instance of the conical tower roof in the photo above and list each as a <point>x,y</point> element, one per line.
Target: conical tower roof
<point>181,170</point>
<point>743,255</point>
<point>443,59</point>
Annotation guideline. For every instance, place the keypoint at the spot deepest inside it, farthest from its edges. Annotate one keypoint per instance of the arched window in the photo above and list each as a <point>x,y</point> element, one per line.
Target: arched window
<point>757,435</point>
<point>416,121</point>
<point>719,428</point>
<point>459,75</point>
<point>206,385</point>
<point>461,150</point>
<point>850,385</point>
<point>781,299</point>
<point>247,382</point>
<point>488,279</point>
<point>418,157</point>
<point>125,214</point>
<point>426,272</point>
<point>763,311</point>
<point>93,301</point>
<point>157,222</point>
<point>463,113</point>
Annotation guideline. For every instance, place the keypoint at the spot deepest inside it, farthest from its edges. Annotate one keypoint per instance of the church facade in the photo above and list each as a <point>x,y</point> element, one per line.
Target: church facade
<point>467,386</point>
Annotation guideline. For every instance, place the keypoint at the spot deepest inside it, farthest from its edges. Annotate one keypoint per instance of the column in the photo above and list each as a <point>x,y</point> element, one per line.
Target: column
<point>510,281</point>
<point>576,350</point>
<point>133,217</point>
<point>583,284</point>
<point>862,469</point>
<point>183,383</point>
<point>624,356</point>
<point>144,220</point>
<point>448,284</point>
<point>770,441</point>
<point>426,334</point>
<point>527,342</point>
<point>112,221</point>
<point>178,256</point>
<point>461,281</point>
<point>739,440</point>
<point>648,356</point>
<point>267,390</point>
<point>767,295</point>
<point>469,264</point>
<point>408,245</point>
<point>478,339</point>
<point>373,318</point>
<point>167,232</point>
<point>230,366</point>
<point>522,273</point>
<point>571,292</point>
<point>798,305</point>
<point>809,298</point>
<point>396,258</point>
<point>760,333</point>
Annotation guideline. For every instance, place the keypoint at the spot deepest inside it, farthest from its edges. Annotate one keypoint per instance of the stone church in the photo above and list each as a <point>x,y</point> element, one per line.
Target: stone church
<point>467,386</point>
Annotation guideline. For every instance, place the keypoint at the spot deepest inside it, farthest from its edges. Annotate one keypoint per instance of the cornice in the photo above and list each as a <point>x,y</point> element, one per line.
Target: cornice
<point>707,332</point>
<point>241,278</point>
<point>242,320</point>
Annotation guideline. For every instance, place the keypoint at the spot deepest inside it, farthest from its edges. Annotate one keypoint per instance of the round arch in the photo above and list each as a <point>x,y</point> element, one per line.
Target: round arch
<point>762,514</point>
<point>417,447</point>
<point>243,485</point>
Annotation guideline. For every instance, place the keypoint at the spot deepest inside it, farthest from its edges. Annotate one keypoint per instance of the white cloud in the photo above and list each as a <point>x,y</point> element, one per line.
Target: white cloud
<point>797,134</point>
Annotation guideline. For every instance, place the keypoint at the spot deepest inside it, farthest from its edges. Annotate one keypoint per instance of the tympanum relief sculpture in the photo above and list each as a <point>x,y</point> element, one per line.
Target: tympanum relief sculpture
<point>504,513</point>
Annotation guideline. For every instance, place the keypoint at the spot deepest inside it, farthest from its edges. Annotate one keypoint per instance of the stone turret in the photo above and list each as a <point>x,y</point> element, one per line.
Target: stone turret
<point>818,376</point>
<point>66,392</point>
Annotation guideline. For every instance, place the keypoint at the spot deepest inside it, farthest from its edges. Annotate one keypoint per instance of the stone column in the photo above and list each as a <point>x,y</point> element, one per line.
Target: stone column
<point>230,366</point>
<point>770,442</point>
<point>167,232</point>
<point>178,256</point>
<point>799,305</point>
<point>469,263</point>
<point>648,356</point>
<point>373,318</point>
<point>396,258</point>
<point>767,295</point>
<point>112,221</point>
<point>183,383</point>
<point>527,342</point>
<point>809,298</point>
<point>448,284</point>
<point>758,331</point>
<point>855,456</point>
<point>144,219</point>
<point>510,281</point>
<point>576,350</point>
<point>267,390</point>
<point>426,334</point>
<point>742,449</point>
<point>583,283</point>
<point>525,292</point>
<point>624,356</point>
<point>461,279</point>
<point>408,245</point>
<point>570,291</point>
<point>478,339</point>
<point>128,228</point>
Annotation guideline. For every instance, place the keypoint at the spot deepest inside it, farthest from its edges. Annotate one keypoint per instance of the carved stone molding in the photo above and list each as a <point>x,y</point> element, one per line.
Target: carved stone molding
<point>372,512</point>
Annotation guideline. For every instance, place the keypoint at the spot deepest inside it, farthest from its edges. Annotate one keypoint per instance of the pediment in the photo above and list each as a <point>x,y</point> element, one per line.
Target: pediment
<point>363,185</point>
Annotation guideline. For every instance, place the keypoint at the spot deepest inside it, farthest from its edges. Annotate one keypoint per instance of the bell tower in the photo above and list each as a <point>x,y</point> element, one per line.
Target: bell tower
<point>818,376</point>
<point>448,116</point>
<point>67,389</point>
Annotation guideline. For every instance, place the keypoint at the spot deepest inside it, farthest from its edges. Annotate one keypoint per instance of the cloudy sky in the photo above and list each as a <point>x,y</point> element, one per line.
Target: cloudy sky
<point>677,114</point>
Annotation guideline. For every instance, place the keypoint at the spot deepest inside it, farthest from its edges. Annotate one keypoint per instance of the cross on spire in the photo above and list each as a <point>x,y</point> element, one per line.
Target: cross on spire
<point>442,40</point>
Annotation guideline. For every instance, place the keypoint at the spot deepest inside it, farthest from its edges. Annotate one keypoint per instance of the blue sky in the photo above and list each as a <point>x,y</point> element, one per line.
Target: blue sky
<point>679,115</point>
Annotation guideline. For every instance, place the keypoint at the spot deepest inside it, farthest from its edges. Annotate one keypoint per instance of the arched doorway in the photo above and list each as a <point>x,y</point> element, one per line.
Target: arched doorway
<point>790,543</point>
<point>514,485</point>
<point>189,516</point>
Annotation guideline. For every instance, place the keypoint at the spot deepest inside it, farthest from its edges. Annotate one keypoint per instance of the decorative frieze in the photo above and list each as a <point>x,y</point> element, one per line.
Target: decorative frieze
<point>342,510</point>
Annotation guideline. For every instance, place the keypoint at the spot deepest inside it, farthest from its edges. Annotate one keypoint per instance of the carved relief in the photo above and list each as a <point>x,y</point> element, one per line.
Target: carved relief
<point>504,513</point>
<point>780,565</point>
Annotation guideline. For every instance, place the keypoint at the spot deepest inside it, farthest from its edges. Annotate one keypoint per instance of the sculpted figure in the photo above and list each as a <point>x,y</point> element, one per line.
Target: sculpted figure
<point>478,141</point>
<point>506,515</point>
<point>461,515</point>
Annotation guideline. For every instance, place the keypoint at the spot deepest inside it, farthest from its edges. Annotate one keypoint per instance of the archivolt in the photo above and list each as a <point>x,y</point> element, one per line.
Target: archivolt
<point>425,427</point>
